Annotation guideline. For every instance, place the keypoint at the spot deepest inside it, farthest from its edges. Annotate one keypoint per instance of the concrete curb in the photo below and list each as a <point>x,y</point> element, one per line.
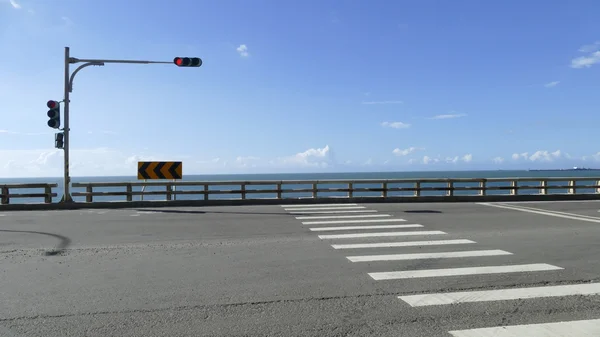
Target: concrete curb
<point>308,201</point>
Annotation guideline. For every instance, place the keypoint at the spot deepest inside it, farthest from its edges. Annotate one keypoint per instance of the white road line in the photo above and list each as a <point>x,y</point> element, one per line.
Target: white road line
<point>542,212</point>
<point>402,244</point>
<point>585,328</point>
<point>346,228</point>
<point>501,294</point>
<point>317,205</point>
<point>423,256</point>
<point>374,235</point>
<point>335,212</point>
<point>350,221</point>
<point>549,202</point>
<point>342,216</point>
<point>557,212</point>
<point>395,275</point>
<point>322,208</point>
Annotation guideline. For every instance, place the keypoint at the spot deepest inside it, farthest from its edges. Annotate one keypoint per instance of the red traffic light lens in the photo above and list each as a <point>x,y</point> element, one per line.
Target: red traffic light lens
<point>178,61</point>
<point>52,104</point>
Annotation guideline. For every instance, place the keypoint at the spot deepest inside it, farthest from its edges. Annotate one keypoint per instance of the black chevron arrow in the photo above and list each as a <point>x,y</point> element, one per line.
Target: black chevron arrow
<point>173,170</point>
<point>157,170</point>
<point>142,170</point>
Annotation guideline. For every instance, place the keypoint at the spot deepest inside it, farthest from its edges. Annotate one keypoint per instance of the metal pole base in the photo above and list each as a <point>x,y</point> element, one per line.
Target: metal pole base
<point>67,200</point>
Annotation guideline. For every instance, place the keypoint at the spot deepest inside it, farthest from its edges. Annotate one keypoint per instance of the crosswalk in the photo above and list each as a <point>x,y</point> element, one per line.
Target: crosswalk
<point>350,222</point>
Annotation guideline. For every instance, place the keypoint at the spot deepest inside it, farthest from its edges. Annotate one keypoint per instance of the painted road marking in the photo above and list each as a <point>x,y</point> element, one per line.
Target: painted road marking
<point>374,235</point>
<point>350,221</point>
<point>334,212</point>
<point>540,211</point>
<point>501,294</point>
<point>346,228</point>
<point>585,328</point>
<point>323,208</point>
<point>557,212</point>
<point>395,275</point>
<point>402,244</point>
<point>317,205</point>
<point>423,256</point>
<point>342,216</point>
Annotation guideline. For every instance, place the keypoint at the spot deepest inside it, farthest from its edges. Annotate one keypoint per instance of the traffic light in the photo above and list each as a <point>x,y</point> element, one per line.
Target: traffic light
<point>53,114</point>
<point>187,61</point>
<point>59,140</point>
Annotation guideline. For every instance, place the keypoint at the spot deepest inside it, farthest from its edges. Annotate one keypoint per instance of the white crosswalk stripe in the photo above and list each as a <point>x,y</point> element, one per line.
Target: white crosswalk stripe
<point>407,274</point>
<point>334,212</point>
<point>402,244</point>
<point>343,216</point>
<point>422,256</point>
<point>324,208</point>
<point>350,221</point>
<point>501,294</point>
<point>375,235</point>
<point>345,228</point>
<point>317,205</point>
<point>585,328</point>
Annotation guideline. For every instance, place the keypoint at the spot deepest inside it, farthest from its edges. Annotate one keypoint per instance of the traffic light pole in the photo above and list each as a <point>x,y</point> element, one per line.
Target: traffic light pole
<point>67,198</point>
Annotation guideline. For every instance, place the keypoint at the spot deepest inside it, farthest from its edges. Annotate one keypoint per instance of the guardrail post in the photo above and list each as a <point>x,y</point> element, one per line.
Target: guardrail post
<point>544,187</point>
<point>314,190</point>
<point>483,187</point>
<point>89,197</point>
<point>129,190</point>
<point>384,193</point>
<point>597,184</point>
<point>243,189</point>
<point>205,192</point>
<point>5,199</point>
<point>169,190</point>
<point>417,188</point>
<point>572,187</point>
<point>48,196</point>
<point>450,190</point>
<point>279,196</point>
<point>514,189</point>
<point>350,190</point>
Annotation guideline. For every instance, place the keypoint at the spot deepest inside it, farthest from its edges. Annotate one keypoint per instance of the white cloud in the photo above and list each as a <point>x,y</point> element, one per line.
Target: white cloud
<point>590,48</point>
<point>14,4</point>
<point>383,102</point>
<point>248,161</point>
<point>452,160</point>
<point>539,156</point>
<point>243,50</point>
<point>448,116</point>
<point>427,160</point>
<point>551,84</point>
<point>467,158</point>
<point>395,125</point>
<point>310,158</point>
<point>586,61</point>
<point>404,152</point>
<point>498,160</point>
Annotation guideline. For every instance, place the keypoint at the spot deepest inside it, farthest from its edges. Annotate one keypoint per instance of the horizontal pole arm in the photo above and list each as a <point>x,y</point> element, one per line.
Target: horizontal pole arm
<point>76,60</point>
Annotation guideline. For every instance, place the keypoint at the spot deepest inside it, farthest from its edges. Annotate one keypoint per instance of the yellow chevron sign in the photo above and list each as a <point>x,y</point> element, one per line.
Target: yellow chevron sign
<point>160,170</point>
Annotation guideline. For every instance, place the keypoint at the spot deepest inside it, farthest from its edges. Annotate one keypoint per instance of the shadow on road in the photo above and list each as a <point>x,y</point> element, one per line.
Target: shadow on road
<point>180,211</point>
<point>427,211</point>
<point>64,241</point>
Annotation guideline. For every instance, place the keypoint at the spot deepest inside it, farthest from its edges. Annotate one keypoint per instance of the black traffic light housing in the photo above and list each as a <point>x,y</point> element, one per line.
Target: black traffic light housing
<point>187,61</point>
<point>53,114</point>
<point>59,140</point>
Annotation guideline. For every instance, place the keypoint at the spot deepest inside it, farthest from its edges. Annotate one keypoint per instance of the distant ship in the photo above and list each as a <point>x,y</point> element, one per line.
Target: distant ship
<point>571,169</point>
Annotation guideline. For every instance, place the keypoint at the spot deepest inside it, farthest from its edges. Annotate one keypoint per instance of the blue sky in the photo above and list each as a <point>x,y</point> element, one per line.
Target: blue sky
<point>298,86</point>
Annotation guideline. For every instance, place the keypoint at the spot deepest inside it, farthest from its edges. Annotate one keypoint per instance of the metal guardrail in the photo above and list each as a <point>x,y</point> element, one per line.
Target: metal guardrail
<point>7,192</point>
<point>351,188</point>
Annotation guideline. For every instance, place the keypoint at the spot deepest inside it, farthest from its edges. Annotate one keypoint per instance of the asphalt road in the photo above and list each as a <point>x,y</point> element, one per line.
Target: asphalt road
<point>446,270</point>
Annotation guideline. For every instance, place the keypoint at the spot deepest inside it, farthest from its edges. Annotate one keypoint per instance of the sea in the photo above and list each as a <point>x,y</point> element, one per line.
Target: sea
<point>594,175</point>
